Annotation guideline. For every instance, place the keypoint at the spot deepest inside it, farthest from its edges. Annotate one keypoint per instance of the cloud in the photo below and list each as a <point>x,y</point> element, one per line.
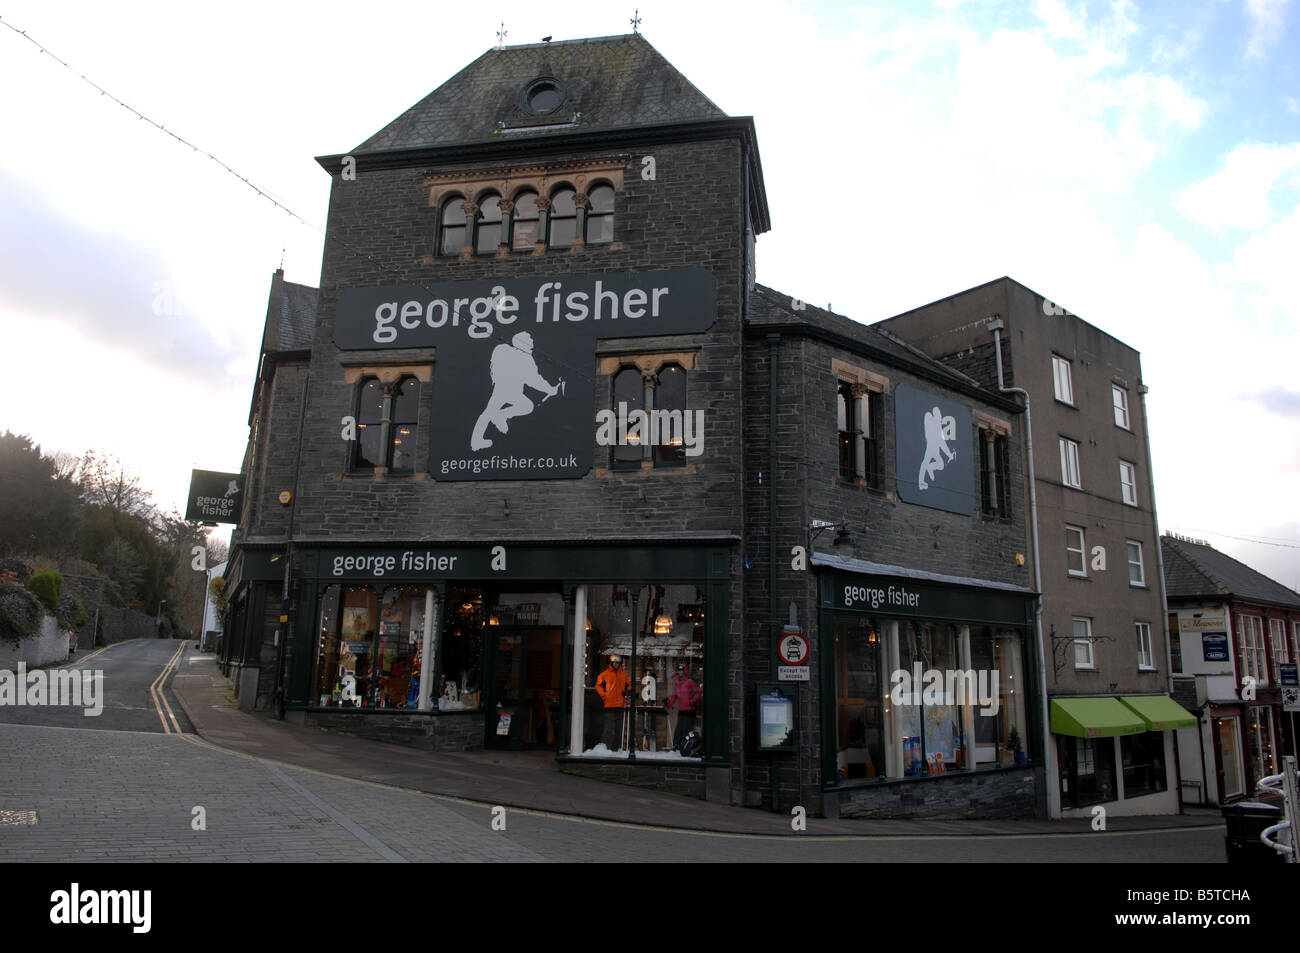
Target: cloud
<point>1239,194</point>
<point>109,288</point>
<point>1278,400</point>
<point>1265,18</point>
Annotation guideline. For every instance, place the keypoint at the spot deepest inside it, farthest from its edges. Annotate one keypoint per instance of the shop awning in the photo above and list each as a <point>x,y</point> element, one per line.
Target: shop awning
<point>1094,718</point>
<point>1160,712</point>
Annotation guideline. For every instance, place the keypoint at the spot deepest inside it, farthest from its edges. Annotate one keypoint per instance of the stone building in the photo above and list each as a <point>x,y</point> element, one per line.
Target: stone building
<point>547,468</point>
<point>1094,537</point>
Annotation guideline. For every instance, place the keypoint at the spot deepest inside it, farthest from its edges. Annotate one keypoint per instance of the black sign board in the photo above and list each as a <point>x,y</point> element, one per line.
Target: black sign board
<point>936,456</point>
<point>514,389</point>
<point>898,596</point>
<point>214,497</point>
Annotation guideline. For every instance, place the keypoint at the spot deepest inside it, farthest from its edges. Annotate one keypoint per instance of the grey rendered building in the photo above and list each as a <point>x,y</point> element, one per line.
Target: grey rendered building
<point>1095,541</point>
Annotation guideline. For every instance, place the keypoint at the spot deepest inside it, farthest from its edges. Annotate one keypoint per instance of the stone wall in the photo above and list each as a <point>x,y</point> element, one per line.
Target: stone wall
<point>985,794</point>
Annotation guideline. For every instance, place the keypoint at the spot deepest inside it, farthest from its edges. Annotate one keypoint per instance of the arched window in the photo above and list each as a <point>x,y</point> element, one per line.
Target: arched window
<point>600,215</point>
<point>370,451</point>
<point>563,222</point>
<point>405,418</point>
<point>452,239</point>
<point>387,425</point>
<point>488,227</point>
<point>629,396</point>
<point>670,414</point>
<point>523,223</point>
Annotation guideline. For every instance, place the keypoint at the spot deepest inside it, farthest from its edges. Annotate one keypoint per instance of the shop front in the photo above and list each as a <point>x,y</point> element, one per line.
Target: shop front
<point>596,653</point>
<point>928,704</point>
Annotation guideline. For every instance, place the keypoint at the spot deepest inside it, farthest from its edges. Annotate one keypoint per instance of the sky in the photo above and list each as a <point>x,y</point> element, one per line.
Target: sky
<point>1137,163</point>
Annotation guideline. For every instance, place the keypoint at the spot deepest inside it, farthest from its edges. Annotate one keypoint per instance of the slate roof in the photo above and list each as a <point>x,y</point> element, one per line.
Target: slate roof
<point>611,82</point>
<point>290,315</point>
<point>767,306</point>
<point>1194,569</point>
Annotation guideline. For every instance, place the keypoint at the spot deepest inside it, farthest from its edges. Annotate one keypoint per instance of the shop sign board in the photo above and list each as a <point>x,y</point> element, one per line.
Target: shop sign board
<point>935,450</point>
<point>514,385</point>
<point>1289,679</point>
<point>1202,623</point>
<point>214,497</point>
<point>899,596</point>
<point>1214,646</point>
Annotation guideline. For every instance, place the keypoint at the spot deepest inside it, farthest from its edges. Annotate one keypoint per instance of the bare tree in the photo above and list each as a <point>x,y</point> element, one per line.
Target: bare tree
<point>105,482</point>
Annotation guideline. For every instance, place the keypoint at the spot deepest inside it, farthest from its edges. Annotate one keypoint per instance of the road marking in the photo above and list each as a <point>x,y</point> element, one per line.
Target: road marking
<point>160,699</point>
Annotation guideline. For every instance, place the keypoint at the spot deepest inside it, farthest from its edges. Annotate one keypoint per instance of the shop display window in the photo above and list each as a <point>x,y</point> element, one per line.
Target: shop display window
<point>644,693</point>
<point>1143,757</point>
<point>861,695</point>
<point>1087,769</point>
<point>934,740</point>
<point>460,686</point>
<point>1000,736</point>
<point>370,646</point>
<point>1259,742</point>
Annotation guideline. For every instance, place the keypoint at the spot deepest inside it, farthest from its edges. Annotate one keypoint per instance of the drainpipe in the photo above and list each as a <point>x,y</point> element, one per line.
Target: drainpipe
<point>279,701</point>
<point>995,325</point>
<point>773,340</point>
<point>1164,596</point>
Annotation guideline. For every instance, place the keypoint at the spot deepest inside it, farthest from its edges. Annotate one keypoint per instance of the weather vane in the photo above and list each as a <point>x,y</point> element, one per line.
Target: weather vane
<point>501,35</point>
<point>636,21</point>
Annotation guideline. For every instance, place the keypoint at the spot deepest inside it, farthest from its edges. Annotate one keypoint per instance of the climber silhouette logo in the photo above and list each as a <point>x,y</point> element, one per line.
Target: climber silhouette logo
<point>938,431</point>
<point>512,368</point>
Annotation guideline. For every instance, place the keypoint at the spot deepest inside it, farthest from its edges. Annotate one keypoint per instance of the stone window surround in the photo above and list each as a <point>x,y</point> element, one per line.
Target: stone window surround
<point>989,428</point>
<point>649,364</point>
<point>861,380</point>
<point>387,374</point>
<point>509,182</point>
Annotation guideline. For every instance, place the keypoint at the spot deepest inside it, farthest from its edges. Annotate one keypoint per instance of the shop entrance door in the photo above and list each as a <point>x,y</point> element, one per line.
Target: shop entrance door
<point>523,688</point>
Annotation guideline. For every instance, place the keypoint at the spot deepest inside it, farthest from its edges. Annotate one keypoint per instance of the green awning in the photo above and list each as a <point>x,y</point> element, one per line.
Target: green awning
<point>1094,718</point>
<point>1160,712</point>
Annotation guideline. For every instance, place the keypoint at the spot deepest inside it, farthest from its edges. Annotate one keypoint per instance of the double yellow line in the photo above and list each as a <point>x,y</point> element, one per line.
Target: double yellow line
<point>160,700</point>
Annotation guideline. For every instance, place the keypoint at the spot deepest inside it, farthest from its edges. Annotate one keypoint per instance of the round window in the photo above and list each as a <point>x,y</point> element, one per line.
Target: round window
<point>543,97</point>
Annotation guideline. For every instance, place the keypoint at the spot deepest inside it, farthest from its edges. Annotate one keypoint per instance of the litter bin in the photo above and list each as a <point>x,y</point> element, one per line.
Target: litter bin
<point>1245,821</point>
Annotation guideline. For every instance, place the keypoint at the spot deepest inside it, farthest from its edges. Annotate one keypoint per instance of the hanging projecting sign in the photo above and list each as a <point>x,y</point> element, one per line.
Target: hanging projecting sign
<point>514,388</point>
<point>936,456</point>
<point>214,497</point>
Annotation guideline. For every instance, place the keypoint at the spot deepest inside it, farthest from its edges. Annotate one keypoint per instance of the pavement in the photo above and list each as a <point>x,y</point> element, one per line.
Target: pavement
<point>531,781</point>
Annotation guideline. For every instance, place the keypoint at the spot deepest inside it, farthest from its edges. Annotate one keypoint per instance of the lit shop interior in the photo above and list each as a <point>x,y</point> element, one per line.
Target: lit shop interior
<point>639,669</point>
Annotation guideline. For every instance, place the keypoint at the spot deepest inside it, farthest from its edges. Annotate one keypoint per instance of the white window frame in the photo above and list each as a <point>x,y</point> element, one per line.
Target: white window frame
<point>1071,474</point>
<point>1062,380</point>
<point>1128,488</point>
<point>1250,637</point>
<point>1119,397</point>
<point>1082,551</point>
<point>1146,658</point>
<point>1084,640</point>
<point>1281,651</point>
<point>1141,581</point>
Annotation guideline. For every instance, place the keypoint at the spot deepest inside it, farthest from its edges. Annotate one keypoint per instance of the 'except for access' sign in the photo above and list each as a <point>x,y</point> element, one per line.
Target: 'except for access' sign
<point>793,653</point>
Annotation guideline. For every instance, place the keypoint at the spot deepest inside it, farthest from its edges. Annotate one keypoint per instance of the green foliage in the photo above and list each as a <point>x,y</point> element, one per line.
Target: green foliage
<point>71,613</point>
<point>217,587</point>
<point>47,587</point>
<point>20,612</point>
<point>39,507</point>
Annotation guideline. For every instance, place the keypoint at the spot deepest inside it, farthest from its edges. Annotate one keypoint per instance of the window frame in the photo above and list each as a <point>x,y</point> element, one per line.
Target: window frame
<point>1119,402</point>
<point>444,228</point>
<point>1251,652</point>
<point>1086,639</point>
<point>1071,468</point>
<point>649,366</point>
<point>994,465</point>
<point>1141,582</point>
<point>1128,489</point>
<point>1082,572</point>
<point>1280,650</point>
<point>863,402</point>
<point>1063,374</point>
<point>1146,654</point>
<point>591,216</point>
<point>552,218</point>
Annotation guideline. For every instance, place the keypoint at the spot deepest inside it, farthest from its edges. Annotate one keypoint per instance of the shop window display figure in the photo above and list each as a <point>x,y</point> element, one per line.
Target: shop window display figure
<point>614,686</point>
